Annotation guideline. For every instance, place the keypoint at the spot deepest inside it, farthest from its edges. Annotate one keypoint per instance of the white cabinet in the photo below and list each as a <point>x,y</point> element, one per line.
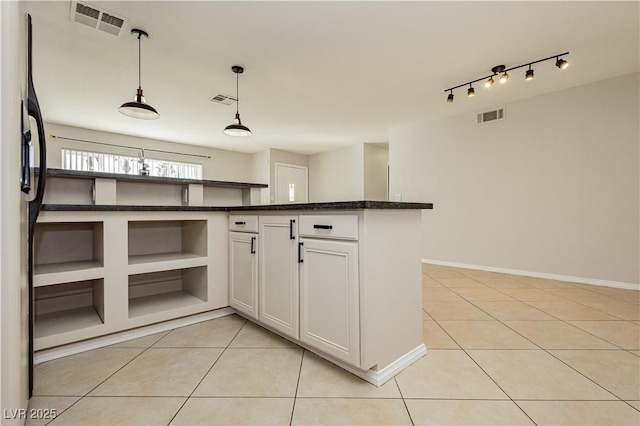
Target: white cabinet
<point>243,273</point>
<point>329,300</point>
<point>278,274</point>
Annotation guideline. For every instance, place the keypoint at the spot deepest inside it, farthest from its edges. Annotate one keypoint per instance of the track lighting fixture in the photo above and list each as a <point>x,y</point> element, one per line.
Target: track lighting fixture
<point>561,63</point>
<point>502,69</point>
<point>529,74</point>
<point>237,129</point>
<point>139,108</point>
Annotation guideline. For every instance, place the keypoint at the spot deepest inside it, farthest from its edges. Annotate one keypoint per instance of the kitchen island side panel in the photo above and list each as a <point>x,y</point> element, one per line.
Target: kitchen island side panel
<point>391,300</point>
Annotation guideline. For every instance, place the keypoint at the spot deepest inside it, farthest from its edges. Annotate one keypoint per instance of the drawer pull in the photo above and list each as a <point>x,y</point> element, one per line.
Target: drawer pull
<point>241,223</point>
<point>322,226</point>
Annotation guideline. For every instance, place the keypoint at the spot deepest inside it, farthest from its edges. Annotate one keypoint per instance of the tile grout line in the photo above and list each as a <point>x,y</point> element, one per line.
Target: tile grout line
<point>406,407</point>
<point>207,372</point>
<point>295,395</point>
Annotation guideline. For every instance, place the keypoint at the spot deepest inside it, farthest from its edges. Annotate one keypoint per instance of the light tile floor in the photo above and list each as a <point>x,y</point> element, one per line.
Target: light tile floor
<point>502,350</point>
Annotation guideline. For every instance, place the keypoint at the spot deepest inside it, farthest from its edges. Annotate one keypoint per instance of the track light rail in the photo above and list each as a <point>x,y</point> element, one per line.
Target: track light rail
<point>507,69</point>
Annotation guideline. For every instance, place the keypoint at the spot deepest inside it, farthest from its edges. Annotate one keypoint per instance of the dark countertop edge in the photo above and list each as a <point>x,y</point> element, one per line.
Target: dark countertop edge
<point>76,174</point>
<point>114,208</point>
<point>338,205</point>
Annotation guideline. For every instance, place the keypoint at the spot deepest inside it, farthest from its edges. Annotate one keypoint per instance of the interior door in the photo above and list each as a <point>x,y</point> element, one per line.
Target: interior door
<point>292,184</point>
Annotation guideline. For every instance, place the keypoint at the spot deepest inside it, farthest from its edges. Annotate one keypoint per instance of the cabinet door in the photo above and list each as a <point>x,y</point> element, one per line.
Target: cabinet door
<point>278,283</point>
<point>278,269</point>
<point>243,273</point>
<point>329,299</point>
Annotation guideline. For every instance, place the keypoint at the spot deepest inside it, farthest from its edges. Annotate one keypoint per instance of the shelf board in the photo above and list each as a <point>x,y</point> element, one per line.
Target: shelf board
<point>56,273</point>
<point>161,302</point>
<point>162,257</point>
<point>165,262</point>
<point>66,321</point>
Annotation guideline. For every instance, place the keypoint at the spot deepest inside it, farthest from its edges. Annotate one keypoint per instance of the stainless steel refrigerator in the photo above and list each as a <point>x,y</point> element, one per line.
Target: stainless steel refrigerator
<point>33,145</point>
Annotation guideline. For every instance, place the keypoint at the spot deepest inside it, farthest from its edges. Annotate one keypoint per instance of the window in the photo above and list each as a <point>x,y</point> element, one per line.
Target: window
<point>292,192</point>
<point>113,163</point>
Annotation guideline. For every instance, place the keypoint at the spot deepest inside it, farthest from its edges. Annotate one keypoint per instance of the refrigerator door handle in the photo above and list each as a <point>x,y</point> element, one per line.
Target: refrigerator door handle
<point>34,111</point>
<point>25,175</point>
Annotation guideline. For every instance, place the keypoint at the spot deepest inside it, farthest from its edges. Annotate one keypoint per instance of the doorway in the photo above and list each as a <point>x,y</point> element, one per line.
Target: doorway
<point>291,183</point>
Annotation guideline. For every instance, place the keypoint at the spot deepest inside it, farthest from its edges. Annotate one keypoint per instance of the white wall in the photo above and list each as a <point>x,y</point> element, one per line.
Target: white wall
<point>552,189</point>
<point>337,175</point>
<point>376,159</point>
<point>13,284</point>
<point>223,165</point>
<point>260,173</point>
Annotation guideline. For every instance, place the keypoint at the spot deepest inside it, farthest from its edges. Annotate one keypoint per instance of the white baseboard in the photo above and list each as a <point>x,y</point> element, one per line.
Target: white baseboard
<point>380,377</point>
<point>581,280</point>
<point>99,342</point>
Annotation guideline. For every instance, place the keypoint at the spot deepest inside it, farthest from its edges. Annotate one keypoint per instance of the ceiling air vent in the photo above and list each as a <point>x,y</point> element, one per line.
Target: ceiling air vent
<point>224,99</point>
<point>493,115</point>
<point>97,18</point>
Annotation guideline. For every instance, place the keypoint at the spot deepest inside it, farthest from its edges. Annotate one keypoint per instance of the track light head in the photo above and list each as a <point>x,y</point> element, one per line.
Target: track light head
<point>489,82</point>
<point>562,64</point>
<point>529,74</point>
<point>450,97</point>
<point>504,77</point>
<point>471,92</point>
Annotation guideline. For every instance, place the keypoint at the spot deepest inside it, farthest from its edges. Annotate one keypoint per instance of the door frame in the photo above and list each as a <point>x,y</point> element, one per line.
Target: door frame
<point>295,166</point>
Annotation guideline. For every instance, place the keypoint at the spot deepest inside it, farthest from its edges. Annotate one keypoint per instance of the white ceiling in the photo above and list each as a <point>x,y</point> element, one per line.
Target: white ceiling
<point>318,75</point>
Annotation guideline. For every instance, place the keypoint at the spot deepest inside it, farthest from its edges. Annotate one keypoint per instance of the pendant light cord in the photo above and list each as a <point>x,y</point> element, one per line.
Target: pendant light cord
<point>237,94</point>
<point>139,63</point>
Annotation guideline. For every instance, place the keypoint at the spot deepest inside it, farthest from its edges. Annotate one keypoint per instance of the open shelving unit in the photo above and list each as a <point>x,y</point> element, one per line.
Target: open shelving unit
<point>103,272</point>
<point>155,292</point>
<point>166,240</point>
<point>67,252</point>
<point>63,308</point>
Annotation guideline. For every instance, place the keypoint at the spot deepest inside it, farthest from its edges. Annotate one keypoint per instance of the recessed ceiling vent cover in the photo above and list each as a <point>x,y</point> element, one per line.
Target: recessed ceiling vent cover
<point>97,18</point>
<point>493,115</point>
<point>224,99</point>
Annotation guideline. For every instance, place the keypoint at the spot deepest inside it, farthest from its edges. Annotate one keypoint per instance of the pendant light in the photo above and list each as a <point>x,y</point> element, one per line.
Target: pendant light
<point>237,129</point>
<point>139,108</point>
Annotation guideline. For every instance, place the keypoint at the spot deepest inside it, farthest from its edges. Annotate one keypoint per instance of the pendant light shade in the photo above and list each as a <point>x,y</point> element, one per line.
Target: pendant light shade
<point>237,129</point>
<point>139,108</point>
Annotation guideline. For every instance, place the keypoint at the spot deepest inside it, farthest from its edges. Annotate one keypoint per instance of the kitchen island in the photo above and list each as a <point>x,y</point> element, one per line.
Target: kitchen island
<point>342,279</point>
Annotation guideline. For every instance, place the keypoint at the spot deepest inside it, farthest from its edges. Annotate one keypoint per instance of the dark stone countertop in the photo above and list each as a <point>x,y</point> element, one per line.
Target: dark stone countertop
<point>336,205</point>
<point>339,205</point>
<point>76,174</point>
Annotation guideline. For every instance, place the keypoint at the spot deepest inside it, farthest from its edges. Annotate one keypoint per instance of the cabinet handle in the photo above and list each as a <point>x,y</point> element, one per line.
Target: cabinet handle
<point>241,223</point>
<point>322,226</point>
<point>253,250</point>
<point>291,222</point>
<point>300,259</point>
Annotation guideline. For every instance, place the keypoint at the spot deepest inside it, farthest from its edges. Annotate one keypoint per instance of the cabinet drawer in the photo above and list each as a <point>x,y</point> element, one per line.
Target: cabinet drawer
<point>329,226</point>
<point>243,223</point>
